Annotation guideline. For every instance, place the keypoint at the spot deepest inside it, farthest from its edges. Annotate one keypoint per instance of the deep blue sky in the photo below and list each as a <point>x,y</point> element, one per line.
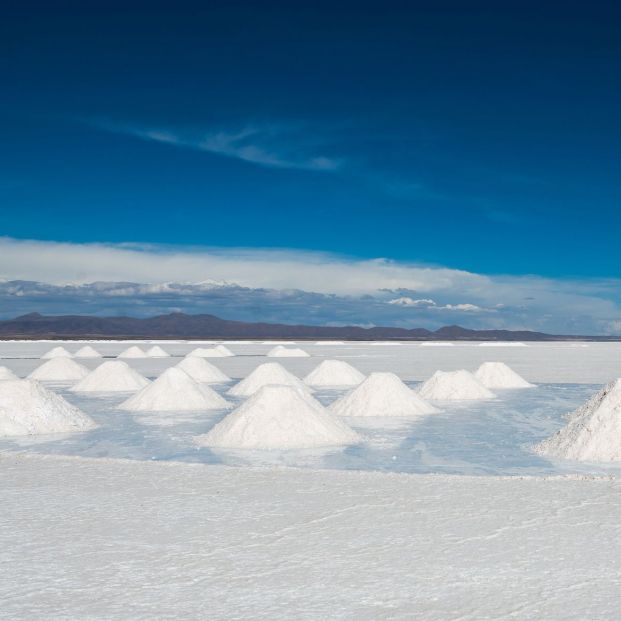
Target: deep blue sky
<point>480,136</point>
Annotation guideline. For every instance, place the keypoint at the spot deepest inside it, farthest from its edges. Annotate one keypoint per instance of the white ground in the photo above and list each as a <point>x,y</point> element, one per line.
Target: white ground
<point>103,538</point>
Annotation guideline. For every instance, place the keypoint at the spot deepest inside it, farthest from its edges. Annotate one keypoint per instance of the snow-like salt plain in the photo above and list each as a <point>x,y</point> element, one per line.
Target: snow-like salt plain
<point>111,524</point>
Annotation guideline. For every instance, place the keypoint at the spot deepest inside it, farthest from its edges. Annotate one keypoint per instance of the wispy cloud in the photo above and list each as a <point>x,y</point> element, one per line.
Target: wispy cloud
<point>270,145</point>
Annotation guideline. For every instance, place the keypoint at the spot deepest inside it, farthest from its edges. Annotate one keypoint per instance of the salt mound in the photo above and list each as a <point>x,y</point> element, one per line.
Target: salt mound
<point>500,375</point>
<point>202,371</point>
<point>56,352</point>
<point>220,351</point>
<point>28,408</point>
<point>132,352</point>
<point>157,352</point>
<point>264,374</point>
<point>334,373</point>
<point>279,417</point>
<point>593,432</point>
<point>286,352</point>
<point>454,386</point>
<point>7,374</point>
<point>112,376</point>
<point>59,370</point>
<point>87,352</point>
<point>174,390</point>
<point>382,394</point>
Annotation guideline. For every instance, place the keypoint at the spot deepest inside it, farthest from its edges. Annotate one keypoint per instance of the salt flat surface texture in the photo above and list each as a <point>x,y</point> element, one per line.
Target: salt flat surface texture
<point>114,540</point>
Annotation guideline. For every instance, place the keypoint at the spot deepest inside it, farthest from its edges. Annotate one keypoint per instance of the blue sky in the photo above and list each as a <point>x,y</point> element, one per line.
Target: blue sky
<point>476,137</point>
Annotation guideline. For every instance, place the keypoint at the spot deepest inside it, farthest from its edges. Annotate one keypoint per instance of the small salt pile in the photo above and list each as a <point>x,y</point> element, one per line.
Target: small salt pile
<point>264,374</point>
<point>59,370</point>
<point>87,352</point>
<point>202,371</point>
<point>334,374</point>
<point>28,408</point>
<point>454,386</point>
<point>593,431</point>
<point>500,375</point>
<point>219,351</point>
<point>279,417</point>
<point>132,352</point>
<point>112,376</point>
<point>225,351</point>
<point>286,352</point>
<point>56,352</point>
<point>173,391</point>
<point>382,394</point>
<point>7,374</point>
<point>157,352</point>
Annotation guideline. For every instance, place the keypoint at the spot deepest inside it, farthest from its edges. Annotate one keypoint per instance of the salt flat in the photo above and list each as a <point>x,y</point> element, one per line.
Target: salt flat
<point>102,539</point>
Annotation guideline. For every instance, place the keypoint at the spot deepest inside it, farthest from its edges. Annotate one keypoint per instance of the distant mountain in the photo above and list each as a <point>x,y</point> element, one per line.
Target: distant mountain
<point>182,326</point>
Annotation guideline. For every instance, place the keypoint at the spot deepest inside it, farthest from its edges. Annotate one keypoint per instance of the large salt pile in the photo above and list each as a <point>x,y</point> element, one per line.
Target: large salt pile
<point>112,376</point>
<point>220,351</point>
<point>500,375</point>
<point>382,394</point>
<point>279,417</point>
<point>174,390</point>
<point>286,352</point>
<point>27,408</point>
<point>334,373</point>
<point>157,352</point>
<point>264,374</point>
<point>59,370</point>
<point>7,374</point>
<point>202,371</point>
<point>593,431</point>
<point>55,352</point>
<point>87,352</point>
<point>132,352</point>
<point>454,386</point>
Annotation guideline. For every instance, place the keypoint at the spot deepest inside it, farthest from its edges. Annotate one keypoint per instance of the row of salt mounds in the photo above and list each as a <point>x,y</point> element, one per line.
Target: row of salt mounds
<point>287,352</point>
<point>59,370</point>
<point>593,432</point>
<point>112,376</point>
<point>454,386</point>
<point>28,408</point>
<point>334,374</point>
<point>87,352</point>
<point>219,351</point>
<point>7,374</point>
<point>500,375</point>
<point>265,374</point>
<point>56,352</point>
<point>133,352</point>
<point>279,417</point>
<point>157,352</point>
<point>382,394</point>
<point>174,390</point>
<point>202,371</point>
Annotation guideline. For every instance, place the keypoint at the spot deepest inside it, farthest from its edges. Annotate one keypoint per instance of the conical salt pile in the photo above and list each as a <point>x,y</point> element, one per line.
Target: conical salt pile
<point>132,352</point>
<point>593,432</point>
<point>55,352</point>
<point>7,374</point>
<point>225,351</point>
<point>87,352</point>
<point>499,375</point>
<point>279,417</point>
<point>157,352</point>
<point>173,391</point>
<point>334,373</point>
<point>212,352</point>
<point>112,376</point>
<point>382,394</point>
<point>59,370</point>
<point>202,371</point>
<point>264,374</point>
<point>27,408</point>
<point>454,386</point>
<point>287,352</point>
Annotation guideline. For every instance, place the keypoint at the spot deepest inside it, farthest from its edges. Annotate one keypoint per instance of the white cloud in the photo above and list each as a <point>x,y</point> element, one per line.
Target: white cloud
<point>407,301</point>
